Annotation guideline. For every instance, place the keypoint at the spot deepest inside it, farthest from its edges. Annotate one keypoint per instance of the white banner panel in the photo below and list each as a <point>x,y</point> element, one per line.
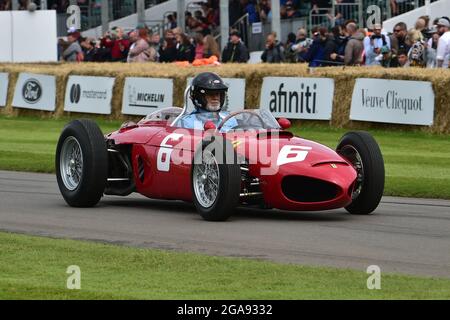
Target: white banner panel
<point>3,88</point>
<point>89,94</point>
<point>298,98</point>
<point>35,91</point>
<point>34,36</point>
<point>236,94</point>
<point>393,101</point>
<point>6,36</point>
<point>142,96</point>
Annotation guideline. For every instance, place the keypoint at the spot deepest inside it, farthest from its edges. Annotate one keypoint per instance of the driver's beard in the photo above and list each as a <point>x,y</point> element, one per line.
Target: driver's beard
<point>212,108</point>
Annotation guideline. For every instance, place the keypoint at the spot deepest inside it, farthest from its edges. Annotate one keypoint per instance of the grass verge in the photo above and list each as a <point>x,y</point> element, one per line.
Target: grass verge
<point>115,272</point>
<point>417,163</point>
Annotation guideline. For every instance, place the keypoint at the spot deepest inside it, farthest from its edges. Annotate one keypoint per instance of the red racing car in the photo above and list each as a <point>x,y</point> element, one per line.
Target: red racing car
<point>261,163</point>
<point>248,159</point>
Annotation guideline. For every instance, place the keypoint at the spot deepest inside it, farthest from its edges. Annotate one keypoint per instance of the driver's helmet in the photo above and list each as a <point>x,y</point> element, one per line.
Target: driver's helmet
<point>207,82</point>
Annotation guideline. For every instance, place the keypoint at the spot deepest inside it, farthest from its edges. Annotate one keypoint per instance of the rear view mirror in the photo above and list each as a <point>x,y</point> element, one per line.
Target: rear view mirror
<point>284,123</point>
<point>209,125</point>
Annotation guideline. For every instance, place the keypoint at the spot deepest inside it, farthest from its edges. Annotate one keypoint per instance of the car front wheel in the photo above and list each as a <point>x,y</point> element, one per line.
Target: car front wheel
<point>362,151</point>
<point>216,183</point>
<point>81,163</point>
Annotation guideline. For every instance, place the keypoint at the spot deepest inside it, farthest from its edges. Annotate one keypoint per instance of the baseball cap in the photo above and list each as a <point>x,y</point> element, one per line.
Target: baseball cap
<point>72,30</point>
<point>384,49</point>
<point>235,33</point>
<point>443,22</point>
<point>141,25</point>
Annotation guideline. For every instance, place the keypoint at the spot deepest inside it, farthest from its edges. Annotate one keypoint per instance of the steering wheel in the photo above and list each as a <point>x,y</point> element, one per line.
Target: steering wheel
<point>233,114</point>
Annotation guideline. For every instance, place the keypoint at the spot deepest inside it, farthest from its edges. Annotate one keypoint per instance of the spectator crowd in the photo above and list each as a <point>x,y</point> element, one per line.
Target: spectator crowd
<point>424,45</point>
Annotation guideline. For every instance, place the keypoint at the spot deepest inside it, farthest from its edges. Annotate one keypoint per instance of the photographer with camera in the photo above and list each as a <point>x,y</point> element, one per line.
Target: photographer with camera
<point>117,44</point>
<point>373,45</point>
<point>274,52</point>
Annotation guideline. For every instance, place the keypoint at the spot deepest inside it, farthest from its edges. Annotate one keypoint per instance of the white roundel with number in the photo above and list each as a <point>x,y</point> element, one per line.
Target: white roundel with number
<point>290,153</point>
<point>165,151</point>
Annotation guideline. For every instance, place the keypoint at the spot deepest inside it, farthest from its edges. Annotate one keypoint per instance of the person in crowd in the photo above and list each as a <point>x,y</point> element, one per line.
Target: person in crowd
<point>443,47</point>
<point>210,14</point>
<point>398,38</point>
<point>251,9</point>
<point>319,53</point>
<point>235,50</point>
<point>340,41</point>
<point>192,24</point>
<point>171,21</point>
<point>302,45</point>
<point>417,52</point>
<point>118,45</point>
<point>89,49</point>
<point>168,50</point>
<point>388,59</point>
<point>185,49</point>
<point>141,51</point>
<point>198,14</point>
<point>199,45</point>
<point>402,58</point>
<point>373,45</point>
<point>355,47</point>
<point>265,10</point>
<point>274,51</point>
<point>210,47</point>
<point>431,49</point>
<point>289,54</point>
<point>5,5</point>
<point>156,42</point>
<point>421,25</point>
<point>73,53</point>
<point>290,10</point>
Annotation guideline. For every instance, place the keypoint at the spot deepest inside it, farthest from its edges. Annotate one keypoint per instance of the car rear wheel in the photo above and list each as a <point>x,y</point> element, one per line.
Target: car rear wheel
<point>216,183</point>
<point>81,163</point>
<point>363,152</point>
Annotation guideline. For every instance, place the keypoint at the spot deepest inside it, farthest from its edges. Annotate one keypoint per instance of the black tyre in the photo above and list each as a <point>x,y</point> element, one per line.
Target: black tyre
<point>216,180</point>
<point>361,149</point>
<point>81,163</point>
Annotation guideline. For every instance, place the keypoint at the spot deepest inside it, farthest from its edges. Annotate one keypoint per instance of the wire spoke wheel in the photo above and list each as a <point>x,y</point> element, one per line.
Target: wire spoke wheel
<point>361,150</point>
<point>71,163</point>
<point>215,186</point>
<point>81,163</point>
<point>352,155</point>
<point>206,180</point>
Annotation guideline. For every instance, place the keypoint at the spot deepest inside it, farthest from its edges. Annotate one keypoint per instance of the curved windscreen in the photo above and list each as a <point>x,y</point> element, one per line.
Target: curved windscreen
<point>166,114</point>
<point>250,119</point>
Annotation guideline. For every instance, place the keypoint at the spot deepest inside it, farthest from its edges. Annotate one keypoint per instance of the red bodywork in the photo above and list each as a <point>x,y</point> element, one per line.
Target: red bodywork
<point>326,170</point>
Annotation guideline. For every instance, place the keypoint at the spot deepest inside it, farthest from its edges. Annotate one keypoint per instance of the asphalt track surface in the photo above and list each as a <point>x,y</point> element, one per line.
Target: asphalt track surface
<point>404,235</point>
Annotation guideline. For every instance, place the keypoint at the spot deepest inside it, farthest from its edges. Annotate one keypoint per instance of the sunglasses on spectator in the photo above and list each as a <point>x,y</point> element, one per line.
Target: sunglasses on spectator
<point>397,30</point>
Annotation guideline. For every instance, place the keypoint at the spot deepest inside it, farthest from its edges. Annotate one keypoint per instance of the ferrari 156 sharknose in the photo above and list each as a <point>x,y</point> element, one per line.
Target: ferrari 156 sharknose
<point>248,159</point>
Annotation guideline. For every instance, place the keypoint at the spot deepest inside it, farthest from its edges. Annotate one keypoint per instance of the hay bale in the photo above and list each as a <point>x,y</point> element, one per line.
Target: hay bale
<point>254,75</point>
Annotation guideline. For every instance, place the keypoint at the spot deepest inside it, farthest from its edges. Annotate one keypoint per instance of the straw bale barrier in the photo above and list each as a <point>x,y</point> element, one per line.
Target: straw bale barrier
<point>254,74</point>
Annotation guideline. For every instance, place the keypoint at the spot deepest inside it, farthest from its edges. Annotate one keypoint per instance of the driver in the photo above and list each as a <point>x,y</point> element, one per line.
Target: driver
<point>207,92</point>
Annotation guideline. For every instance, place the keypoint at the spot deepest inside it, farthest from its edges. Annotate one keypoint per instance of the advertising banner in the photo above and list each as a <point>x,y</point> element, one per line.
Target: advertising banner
<point>298,98</point>
<point>89,94</point>
<point>393,101</point>
<point>35,91</point>
<point>142,96</point>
